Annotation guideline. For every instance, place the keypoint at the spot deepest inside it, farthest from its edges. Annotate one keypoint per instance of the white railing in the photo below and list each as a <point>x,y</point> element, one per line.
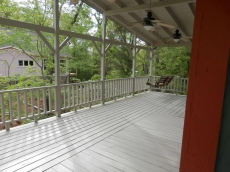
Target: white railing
<point>118,88</point>
<point>34,103</point>
<point>29,103</point>
<point>177,85</point>
<point>140,84</point>
<point>80,94</point>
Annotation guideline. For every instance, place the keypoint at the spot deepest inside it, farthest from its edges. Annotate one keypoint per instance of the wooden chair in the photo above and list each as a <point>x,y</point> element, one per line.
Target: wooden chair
<point>163,81</point>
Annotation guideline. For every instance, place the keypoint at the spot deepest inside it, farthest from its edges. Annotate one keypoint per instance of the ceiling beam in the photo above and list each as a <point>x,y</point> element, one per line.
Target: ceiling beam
<point>136,17</point>
<point>101,6</point>
<point>192,8</point>
<point>34,27</point>
<point>164,3</point>
<point>24,25</point>
<point>139,2</point>
<point>178,23</point>
<point>122,22</point>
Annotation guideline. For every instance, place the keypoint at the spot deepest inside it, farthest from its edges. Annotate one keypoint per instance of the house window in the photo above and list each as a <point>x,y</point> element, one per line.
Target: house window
<point>25,63</point>
<point>20,62</point>
<point>31,63</point>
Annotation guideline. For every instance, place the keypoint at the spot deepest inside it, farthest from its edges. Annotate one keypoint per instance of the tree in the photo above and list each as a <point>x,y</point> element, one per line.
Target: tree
<point>172,61</point>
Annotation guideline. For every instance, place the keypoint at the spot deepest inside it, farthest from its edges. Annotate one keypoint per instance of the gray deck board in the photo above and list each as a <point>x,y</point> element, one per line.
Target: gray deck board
<point>141,133</point>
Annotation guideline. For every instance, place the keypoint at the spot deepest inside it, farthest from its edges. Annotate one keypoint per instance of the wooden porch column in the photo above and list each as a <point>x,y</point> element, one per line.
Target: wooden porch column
<point>151,61</point>
<point>103,59</point>
<point>134,61</point>
<point>207,80</point>
<point>56,59</point>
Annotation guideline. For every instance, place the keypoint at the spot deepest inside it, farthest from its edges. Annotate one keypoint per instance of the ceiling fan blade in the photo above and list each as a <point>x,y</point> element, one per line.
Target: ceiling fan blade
<point>165,25</point>
<point>184,39</point>
<point>169,39</point>
<point>189,37</point>
<point>156,21</point>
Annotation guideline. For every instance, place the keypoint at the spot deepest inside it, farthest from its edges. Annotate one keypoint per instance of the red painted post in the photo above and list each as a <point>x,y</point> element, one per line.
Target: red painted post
<point>207,77</point>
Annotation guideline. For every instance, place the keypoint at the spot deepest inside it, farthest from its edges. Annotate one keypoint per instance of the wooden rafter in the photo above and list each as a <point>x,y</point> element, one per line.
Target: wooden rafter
<point>164,3</point>
<point>177,21</point>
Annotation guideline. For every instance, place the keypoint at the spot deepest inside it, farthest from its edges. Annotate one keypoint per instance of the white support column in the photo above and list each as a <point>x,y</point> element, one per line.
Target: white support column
<point>134,61</point>
<point>56,59</point>
<point>103,59</point>
<point>151,61</point>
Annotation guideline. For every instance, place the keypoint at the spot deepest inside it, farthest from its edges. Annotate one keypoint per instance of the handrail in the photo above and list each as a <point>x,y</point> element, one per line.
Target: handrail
<point>38,102</point>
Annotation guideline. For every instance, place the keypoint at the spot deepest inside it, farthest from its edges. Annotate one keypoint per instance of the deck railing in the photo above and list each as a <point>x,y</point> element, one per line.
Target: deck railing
<point>176,86</point>
<point>33,103</point>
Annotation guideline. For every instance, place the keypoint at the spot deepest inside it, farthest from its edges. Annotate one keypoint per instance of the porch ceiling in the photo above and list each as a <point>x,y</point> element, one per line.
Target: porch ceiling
<point>179,13</point>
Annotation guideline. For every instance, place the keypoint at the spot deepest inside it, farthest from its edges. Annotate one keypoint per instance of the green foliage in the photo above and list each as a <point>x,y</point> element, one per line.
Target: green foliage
<point>172,61</point>
<point>29,78</point>
<point>4,83</point>
<point>96,77</point>
<point>83,57</point>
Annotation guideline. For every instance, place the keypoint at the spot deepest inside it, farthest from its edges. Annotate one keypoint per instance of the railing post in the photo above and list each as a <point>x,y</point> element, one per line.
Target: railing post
<point>7,126</point>
<point>134,62</point>
<point>103,60</point>
<point>35,119</point>
<point>56,59</point>
<point>177,84</point>
<point>151,66</point>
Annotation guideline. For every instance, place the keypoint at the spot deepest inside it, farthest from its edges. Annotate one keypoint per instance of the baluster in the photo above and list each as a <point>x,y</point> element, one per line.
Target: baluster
<point>121,89</point>
<point>124,85</point>
<point>112,89</point>
<point>129,86</point>
<point>88,95</point>
<point>95,93</point>
<point>73,98</point>
<point>98,89</point>
<point>44,100</point>
<point>115,89</point>
<point>108,89</point>
<point>77,94</point>
<point>50,101</point>
<point>64,97</point>
<point>10,107</point>
<point>69,96</point>
<point>91,92</point>
<point>138,85</point>
<point>38,102</point>
<point>32,102</point>
<point>84,93</point>
<point>81,94</point>
<point>18,105</point>
<point>2,107</point>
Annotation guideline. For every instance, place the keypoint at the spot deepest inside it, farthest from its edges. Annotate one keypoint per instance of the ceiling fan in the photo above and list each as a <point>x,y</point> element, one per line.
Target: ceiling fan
<point>149,22</point>
<point>177,37</point>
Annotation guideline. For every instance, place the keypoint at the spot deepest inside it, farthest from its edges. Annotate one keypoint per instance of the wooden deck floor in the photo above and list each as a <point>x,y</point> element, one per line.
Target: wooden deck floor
<point>142,133</point>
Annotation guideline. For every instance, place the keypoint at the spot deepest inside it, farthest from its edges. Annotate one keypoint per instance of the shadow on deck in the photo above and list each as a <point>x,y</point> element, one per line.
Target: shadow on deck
<point>141,133</point>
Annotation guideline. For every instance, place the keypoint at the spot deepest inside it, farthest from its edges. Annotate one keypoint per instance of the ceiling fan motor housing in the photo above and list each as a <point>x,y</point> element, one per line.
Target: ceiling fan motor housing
<point>177,35</point>
<point>147,20</point>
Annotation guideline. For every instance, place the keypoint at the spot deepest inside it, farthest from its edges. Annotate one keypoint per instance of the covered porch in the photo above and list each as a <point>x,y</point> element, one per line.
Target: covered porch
<point>142,132</point>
